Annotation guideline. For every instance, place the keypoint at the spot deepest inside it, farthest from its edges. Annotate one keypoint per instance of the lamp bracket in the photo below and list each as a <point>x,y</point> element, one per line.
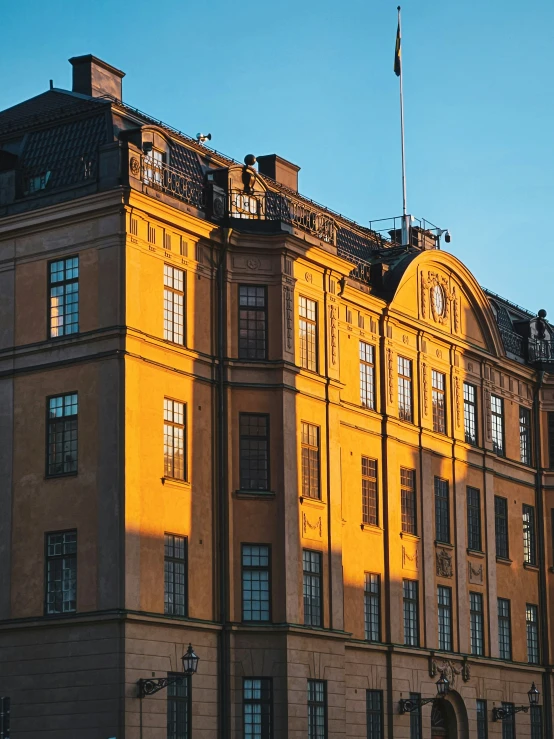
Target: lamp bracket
<point>407,705</point>
<point>499,714</point>
<point>149,686</point>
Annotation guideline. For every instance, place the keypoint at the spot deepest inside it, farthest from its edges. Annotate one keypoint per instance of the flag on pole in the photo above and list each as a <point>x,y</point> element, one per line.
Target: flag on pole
<point>398,53</point>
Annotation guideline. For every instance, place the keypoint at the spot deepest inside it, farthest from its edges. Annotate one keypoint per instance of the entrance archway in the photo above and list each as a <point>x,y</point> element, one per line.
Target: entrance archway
<point>440,724</point>
<point>449,717</point>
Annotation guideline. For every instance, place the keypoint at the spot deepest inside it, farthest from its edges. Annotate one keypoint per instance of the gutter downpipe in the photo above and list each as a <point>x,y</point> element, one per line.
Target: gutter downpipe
<point>222,493</point>
<point>543,600</point>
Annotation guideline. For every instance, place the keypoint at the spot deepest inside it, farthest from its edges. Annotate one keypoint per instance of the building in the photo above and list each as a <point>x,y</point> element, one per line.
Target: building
<point>230,417</point>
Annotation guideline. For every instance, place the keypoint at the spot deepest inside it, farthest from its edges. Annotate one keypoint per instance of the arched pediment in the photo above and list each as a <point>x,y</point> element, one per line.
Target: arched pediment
<point>436,288</point>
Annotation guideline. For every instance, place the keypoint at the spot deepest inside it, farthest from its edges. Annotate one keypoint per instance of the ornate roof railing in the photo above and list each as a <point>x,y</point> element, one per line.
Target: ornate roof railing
<point>171,181</point>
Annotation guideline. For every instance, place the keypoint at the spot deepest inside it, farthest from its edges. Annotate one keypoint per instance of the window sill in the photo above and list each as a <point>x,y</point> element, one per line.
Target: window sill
<point>61,474</point>
<point>255,494</point>
<point>444,544</point>
<point>316,502</point>
<point>175,482</point>
<point>476,553</point>
<point>372,528</point>
<point>406,535</point>
<point>504,561</point>
<point>528,566</point>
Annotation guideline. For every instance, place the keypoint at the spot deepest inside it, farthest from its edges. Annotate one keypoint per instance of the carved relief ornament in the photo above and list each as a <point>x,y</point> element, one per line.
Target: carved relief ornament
<point>441,299</point>
<point>444,563</point>
<point>333,330</point>
<point>451,669</point>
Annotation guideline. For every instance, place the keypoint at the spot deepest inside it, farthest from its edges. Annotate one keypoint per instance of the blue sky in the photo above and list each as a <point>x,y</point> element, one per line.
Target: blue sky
<point>313,81</point>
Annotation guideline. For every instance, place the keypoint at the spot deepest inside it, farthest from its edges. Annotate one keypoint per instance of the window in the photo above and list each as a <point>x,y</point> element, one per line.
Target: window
<point>254,451</point>
<point>174,304</point>
<point>525,435</point>
<point>474,519</point>
<point>411,620</point>
<point>508,724</point>
<point>408,494</point>
<point>62,435</point>
<point>415,718</point>
<point>179,707</point>
<point>367,375</point>
<point>174,439</point>
<point>4,717</point>
<point>470,413</point>
<point>256,582</point>
<point>405,389</point>
<point>311,563</point>
<point>252,322</point>
<point>372,607</point>
<point>501,526</point>
<point>476,623</point>
<point>504,629</point>
<point>64,297</point>
<point>61,572</point>
<point>536,722</point>
<point>175,575</point>
<point>257,708</point>
<point>444,598</point>
<point>482,728</point>
<point>439,405</point>
<point>532,621</point>
<point>442,511</point>
<point>529,548</point>
<point>550,417</point>
<point>369,491</point>
<point>154,162</point>
<point>317,709</point>
<point>308,333</point>
<point>374,708</point>
<point>310,461</point>
<point>497,417</point>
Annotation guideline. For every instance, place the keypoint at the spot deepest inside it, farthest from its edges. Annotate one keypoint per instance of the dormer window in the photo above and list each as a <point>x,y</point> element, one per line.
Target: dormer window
<point>154,166</point>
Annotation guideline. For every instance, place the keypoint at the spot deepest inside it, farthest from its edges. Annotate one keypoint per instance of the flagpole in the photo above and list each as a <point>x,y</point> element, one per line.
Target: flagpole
<point>404,200</point>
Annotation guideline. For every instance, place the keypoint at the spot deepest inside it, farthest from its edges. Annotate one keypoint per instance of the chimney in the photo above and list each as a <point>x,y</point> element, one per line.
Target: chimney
<point>92,76</point>
<point>280,170</point>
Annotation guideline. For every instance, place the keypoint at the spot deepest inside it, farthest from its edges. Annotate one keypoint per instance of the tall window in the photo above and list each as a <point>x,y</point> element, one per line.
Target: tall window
<point>473,519</point>
<point>174,439</point>
<point>504,629</point>
<point>408,495</point>
<point>254,451</point>
<point>310,461</point>
<point>175,575</point>
<point>497,418</point>
<point>252,322</point>
<point>416,731</point>
<point>4,717</point>
<point>61,572</point>
<point>405,410</point>
<point>62,435</point>
<point>311,563</point>
<point>64,297</point>
<point>536,722</point>
<point>529,548</point>
<point>508,724</point>
<point>532,621</point>
<point>482,728</point>
<point>501,526</point>
<point>476,624</point>
<point>372,607</point>
<point>257,707</point>
<point>256,587</point>
<point>525,434</point>
<point>444,597</point>
<point>411,616</point>
<point>308,333</point>
<point>369,491</point>
<point>174,304</point>
<point>374,708</point>
<point>367,375</point>
<point>317,709</point>
<point>470,413</point>
<point>442,511</point>
<point>179,707</point>
<point>439,404</point>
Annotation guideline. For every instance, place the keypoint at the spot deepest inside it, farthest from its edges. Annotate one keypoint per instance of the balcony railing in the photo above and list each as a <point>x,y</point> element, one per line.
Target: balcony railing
<point>513,342</point>
<point>541,350</point>
<point>171,181</point>
<point>273,206</point>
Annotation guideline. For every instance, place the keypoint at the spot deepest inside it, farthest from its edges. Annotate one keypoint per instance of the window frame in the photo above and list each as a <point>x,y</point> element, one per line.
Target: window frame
<point>5,710</point>
<point>509,723</point>
<point>173,424</point>
<point>446,608</point>
<point>437,392</point>
<point>536,725</point>
<point>370,598</point>
<point>47,559</point>
<point>243,437</point>
<point>529,535</point>
<point>481,718</point>
<point>268,734</point>
<point>306,445</point>
<point>242,353</point>
<point>64,283</point>
<point>370,492</point>
<point>173,700</point>
<point>377,712</point>
<point>501,534</point>
<point>412,603</point>
<point>183,294</point>
<point>525,436</point>
<point>405,389</point>
<point>177,560</point>
<point>313,576</point>
<point>505,623</point>
<point>408,502</point>
<point>50,422</point>
<point>536,636</point>
<point>550,438</point>
<point>416,726</point>
<point>256,568</point>
<point>474,512</point>
<point>367,375</point>
<point>314,704</point>
<point>497,426</point>
<point>471,415</point>
<point>476,619</point>
<point>314,324</point>
<point>442,510</point>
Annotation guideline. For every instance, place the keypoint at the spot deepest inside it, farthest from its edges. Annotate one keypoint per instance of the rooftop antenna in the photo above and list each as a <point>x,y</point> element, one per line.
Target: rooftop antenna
<point>398,72</point>
<point>51,84</point>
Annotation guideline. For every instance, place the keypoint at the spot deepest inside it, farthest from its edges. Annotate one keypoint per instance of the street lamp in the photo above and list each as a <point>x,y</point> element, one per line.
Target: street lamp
<point>407,705</point>
<point>500,714</point>
<point>149,686</point>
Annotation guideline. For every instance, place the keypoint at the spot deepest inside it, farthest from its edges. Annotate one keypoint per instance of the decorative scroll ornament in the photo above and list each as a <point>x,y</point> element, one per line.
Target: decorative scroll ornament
<point>451,668</point>
<point>441,297</point>
<point>288,316</point>
<point>134,166</point>
<point>444,563</point>
<point>308,526</point>
<point>475,573</point>
<point>458,403</point>
<point>425,388</point>
<point>410,561</point>
<point>333,328</point>
<point>390,374</point>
